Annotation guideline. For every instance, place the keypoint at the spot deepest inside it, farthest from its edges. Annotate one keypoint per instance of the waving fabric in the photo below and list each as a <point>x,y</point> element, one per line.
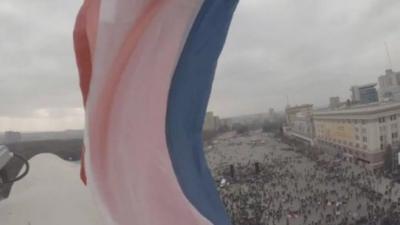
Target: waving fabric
<point>146,69</point>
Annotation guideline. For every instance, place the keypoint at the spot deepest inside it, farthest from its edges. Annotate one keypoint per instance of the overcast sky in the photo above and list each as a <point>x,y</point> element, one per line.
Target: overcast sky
<point>308,50</point>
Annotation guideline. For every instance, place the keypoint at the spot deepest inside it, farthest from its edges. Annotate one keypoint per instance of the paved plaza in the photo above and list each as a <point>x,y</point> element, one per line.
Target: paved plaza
<point>296,187</point>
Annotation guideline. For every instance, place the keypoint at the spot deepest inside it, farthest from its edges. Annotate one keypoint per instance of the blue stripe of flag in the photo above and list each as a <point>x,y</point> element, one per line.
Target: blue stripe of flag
<point>187,105</point>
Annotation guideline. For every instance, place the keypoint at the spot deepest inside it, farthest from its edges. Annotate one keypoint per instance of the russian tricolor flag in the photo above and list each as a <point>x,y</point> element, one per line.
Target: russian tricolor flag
<point>146,70</point>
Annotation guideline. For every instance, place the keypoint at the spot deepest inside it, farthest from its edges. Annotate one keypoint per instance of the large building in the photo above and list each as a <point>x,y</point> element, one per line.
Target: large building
<point>364,94</point>
<point>334,102</point>
<point>211,122</point>
<point>271,112</point>
<point>299,123</point>
<point>360,133</point>
<point>389,86</point>
<point>291,112</point>
<point>272,115</point>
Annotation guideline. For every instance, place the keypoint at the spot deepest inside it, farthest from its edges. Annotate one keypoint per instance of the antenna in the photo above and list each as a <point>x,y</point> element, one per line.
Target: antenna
<point>388,55</point>
<point>287,100</point>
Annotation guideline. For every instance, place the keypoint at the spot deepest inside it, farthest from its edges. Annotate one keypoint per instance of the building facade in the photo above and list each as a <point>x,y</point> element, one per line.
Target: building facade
<point>362,133</point>
<point>299,123</point>
<point>211,122</point>
<point>389,86</point>
<point>364,94</point>
<point>334,102</point>
<point>291,112</point>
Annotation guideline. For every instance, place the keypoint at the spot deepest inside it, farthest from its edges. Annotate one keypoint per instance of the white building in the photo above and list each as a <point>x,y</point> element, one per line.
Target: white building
<point>389,86</point>
<point>299,123</point>
<point>360,133</point>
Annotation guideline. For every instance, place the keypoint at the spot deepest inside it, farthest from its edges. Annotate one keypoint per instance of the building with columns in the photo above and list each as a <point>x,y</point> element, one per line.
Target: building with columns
<point>361,133</point>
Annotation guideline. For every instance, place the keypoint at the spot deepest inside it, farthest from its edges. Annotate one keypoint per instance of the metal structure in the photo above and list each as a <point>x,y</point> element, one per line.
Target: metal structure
<point>5,158</point>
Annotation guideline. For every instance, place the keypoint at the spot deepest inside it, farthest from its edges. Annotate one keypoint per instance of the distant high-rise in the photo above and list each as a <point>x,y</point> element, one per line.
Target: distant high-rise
<point>211,122</point>
<point>389,86</point>
<point>334,102</point>
<point>364,94</point>
<point>271,111</point>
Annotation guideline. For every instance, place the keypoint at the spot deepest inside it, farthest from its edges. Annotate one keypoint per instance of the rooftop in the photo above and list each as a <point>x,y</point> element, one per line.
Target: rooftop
<point>365,85</point>
<point>371,108</point>
<point>297,107</point>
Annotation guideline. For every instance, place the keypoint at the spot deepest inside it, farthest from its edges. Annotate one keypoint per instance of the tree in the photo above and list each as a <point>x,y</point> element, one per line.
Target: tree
<point>271,126</point>
<point>241,128</point>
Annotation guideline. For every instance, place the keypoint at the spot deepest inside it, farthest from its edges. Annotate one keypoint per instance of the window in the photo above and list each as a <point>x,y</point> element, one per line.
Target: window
<point>357,137</point>
<point>364,130</point>
<point>363,122</point>
<point>365,140</point>
<point>356,129</point>
<point>393,126</point>
<point>381,119</point>
<point>394,135</point>
<point>393,117</point>
<point>364,147</point>
<point>382,146</point>
<point>357,145</point>
<point>383,138</point>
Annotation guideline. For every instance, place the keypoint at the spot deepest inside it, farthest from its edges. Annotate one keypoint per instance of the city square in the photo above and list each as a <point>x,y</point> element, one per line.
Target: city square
<point>277,183</point>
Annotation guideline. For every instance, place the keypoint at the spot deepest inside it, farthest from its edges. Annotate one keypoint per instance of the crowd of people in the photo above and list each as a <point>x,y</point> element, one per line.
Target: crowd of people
<point>263,181</point>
